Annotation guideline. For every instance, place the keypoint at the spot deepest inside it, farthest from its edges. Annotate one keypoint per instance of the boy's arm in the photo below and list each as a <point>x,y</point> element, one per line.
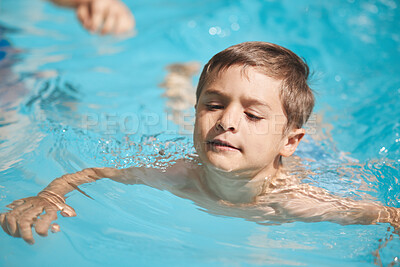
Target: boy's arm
<point>27,211</point>
<point>313,204</point>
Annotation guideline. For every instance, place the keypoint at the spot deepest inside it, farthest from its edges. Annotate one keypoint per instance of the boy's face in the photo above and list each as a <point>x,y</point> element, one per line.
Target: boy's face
<point>240,122</point>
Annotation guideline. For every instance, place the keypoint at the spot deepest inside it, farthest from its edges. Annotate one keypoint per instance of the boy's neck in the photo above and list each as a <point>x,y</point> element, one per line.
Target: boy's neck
<point>238,188</point>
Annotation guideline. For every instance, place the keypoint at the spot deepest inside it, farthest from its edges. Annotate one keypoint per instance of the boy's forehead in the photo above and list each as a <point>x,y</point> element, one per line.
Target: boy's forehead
<point>242,72</point>
<point>245,72</point>
<point>266,91</point>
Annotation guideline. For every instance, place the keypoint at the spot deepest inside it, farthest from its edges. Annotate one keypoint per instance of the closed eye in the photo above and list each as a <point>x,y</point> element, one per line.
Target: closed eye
<point>253,117</point>
<point>214,106</point>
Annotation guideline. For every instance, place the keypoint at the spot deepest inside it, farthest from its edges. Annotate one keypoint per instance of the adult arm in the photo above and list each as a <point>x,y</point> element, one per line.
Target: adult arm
<point>101,16</point>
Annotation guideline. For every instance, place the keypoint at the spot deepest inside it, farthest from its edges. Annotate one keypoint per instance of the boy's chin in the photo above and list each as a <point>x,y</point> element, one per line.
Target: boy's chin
<point>223,168</point>
<point>224,162</point>
<point>223,165</point>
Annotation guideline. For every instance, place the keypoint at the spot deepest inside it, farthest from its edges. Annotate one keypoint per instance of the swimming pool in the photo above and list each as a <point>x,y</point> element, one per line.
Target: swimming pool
<point>70,100</point>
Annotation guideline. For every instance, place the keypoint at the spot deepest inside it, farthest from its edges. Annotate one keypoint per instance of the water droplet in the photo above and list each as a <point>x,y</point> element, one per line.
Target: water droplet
<point>212,31</point>
<point>235,26</point>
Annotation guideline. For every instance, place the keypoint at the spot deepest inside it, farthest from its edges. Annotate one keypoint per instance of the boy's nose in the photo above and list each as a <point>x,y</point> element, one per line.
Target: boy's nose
<point>228,121</point>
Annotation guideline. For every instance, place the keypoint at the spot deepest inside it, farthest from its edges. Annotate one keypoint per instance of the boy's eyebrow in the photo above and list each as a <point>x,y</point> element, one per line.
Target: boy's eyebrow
<point>248,101</point>
<point>214,92</point>
<point>257,102</point>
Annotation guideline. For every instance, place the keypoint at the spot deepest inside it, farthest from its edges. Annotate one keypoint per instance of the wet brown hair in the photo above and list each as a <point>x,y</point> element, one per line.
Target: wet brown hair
<point>276,62</point>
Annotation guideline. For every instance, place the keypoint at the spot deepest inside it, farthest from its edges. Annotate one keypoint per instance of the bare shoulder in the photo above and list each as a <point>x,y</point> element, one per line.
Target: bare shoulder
<point>286,188</point>
<point>282,181</point>
<point>176,176</point>
<point>184,172</point>
<point>183,167</point>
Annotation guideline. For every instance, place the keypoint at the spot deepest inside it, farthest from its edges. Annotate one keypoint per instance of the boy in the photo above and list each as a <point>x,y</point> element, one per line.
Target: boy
<point>252,100</point>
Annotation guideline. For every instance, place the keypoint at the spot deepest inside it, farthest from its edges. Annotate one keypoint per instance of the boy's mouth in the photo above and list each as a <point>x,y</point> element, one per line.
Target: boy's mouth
<point>217,143</point>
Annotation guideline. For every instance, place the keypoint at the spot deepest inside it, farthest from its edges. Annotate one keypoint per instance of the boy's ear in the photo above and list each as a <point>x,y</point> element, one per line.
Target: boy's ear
<point>292,141</point>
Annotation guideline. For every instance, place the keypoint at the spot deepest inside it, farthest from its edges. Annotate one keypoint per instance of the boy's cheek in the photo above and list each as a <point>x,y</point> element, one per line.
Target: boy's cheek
<point>259,129</point>
<point>279,122</point>
<point>204,123</point>
<point>197,140</point>
<point>272,127</point>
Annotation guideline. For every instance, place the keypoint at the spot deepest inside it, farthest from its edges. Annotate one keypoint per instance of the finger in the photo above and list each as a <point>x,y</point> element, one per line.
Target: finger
<point>3,223</point>
<point>42,225</point>
<point>67,211</point>
<point>11,219</point>
<point>80,2</point>
<point>11,224</point>
<point>25,230</point>
<point>99,12</point>
<point>109,23</point>
<point>125,24</point>
<point>70,3</point>
<point>15,203</point>
<point>82,12</point>
<point>26,221</point>
<point>120,26</point>
<point>55,228</point>
<point>21,208</point>
<point>11,205</point>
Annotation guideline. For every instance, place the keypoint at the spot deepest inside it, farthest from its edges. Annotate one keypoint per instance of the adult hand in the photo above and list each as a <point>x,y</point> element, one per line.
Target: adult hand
<point>105,16</point>
<point>27,212</point>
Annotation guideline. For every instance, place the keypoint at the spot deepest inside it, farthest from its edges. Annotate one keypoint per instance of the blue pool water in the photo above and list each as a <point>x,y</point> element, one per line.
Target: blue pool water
<point>70,100</point>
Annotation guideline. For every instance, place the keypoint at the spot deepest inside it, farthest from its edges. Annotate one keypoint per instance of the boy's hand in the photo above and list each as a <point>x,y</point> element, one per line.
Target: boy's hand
<point>395,220</point>
<point>26,213</point>
<point>105,16</point>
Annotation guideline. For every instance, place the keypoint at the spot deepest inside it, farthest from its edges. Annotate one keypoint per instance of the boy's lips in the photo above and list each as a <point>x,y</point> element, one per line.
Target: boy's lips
<point>222,144</point>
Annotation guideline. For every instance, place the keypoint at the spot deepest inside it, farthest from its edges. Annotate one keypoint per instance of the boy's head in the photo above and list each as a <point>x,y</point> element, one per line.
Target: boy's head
<point>252,100</point>
<point>276,62</point>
